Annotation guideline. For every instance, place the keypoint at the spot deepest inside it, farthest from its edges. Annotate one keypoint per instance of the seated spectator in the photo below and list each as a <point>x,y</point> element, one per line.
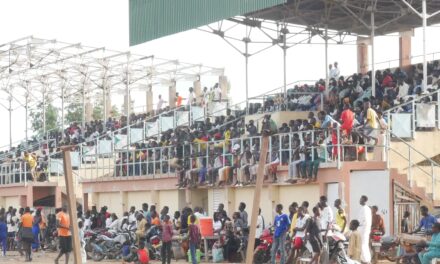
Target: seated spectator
<point>270,169</point>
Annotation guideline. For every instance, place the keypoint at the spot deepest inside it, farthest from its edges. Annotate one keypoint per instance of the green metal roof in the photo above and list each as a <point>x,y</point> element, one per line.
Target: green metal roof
<point>152,19</point>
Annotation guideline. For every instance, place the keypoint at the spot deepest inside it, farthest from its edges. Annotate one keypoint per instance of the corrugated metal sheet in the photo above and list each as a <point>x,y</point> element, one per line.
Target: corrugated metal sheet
<point>151,19</point>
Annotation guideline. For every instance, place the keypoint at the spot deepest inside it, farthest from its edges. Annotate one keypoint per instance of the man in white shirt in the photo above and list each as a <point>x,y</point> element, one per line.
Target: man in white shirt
<point>160,104</point>
<point>217,93</point>
<point>326,216</point>
<point>403,90</point>
<point>132,215</point>
<point>334,72</point>
<point>365,219</point>
<point>191,97</point>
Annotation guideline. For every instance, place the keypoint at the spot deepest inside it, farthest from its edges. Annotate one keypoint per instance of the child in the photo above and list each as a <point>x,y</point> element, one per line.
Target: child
<point>3,234</point>
<point>354,246</point>
<point>142,253</point>
<point>194,238</point>
<point>82,242</point>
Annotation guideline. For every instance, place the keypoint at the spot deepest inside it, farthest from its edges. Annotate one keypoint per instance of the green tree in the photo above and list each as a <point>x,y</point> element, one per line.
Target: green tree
<point>36,115</point>
<point>115,111</point>
<point>74,113</point>
<point>98,112</point>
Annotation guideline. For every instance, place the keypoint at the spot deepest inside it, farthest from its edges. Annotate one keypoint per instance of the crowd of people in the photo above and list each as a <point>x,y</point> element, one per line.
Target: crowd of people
<point>347,105</point>
<point>27,230</point>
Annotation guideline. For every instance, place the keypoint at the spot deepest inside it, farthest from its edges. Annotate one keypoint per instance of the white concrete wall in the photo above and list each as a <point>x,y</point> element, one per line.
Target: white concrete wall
<point>376,186</point>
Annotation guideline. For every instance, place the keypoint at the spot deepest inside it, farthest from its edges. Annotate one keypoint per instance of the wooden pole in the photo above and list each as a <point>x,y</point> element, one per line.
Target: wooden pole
<point>71,201</point>
<point>256,202</point>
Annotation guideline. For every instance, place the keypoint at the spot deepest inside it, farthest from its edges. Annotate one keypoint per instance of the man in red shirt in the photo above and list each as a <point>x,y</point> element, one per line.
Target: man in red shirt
<point>347,118</point>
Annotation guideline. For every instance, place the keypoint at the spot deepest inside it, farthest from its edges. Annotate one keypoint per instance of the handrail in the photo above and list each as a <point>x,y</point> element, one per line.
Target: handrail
<point>411,101</point>
<point>411,57</point>
<point>414,149</point>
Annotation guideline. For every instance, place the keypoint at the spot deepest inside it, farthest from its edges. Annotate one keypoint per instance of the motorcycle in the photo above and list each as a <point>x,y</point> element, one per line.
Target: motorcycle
<point>384,247</point>
<point>337,244</point>
<point>110,248</point>
<point>262,252</point>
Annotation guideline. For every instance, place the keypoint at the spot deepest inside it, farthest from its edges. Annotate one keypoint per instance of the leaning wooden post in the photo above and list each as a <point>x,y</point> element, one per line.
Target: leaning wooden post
<point>256,202</point>
<point>71,201</point>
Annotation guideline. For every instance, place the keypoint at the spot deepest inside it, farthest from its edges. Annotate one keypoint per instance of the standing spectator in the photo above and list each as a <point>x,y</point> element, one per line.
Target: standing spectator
<point>26,233</point>
<point>377,223</point>
<point>355,242</point>
<point>347,118</point>
<point>326,216</point>
<point>427,221</point>
<point>167,234</point>
<point>260,228</point>
<point>132,215</point>
<point>142,254</point>
<point>3,235</point>
<point>36,230</point>
<point>370,122</point>
<point>191,97</point>
<point>194,238</point>
<point>405,223</point>
<point>64,235</point>
<point>364,219</point>
<point>340,219</point>
<point>243,214</point>
<point>217,93</point>
<point>282,224</point>
<point>12,222</point>
<point>160,104</point>
<point>334,72</point>
<point>314,231</point>
<point>141,222</point>
<point>164,212</point>
<point>32,162</point>
<point>82,242</point>
<point>179,100</point>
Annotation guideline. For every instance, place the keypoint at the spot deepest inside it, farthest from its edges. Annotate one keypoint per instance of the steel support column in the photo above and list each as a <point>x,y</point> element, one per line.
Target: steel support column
<point>373,71</point>
<point>246,58</point>
<point>327,80</point>
<point>285,67</point>
<point>62,108</point>
<point>10,120</point>
<point>425,64</point>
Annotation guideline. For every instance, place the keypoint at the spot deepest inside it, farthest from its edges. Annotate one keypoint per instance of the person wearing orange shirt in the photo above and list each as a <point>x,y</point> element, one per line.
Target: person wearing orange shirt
<point>179,100</point>
<point>64,234</point>
<point>26,233</point>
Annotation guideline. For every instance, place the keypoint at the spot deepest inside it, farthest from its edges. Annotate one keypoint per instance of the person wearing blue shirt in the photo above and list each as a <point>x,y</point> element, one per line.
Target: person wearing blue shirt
<point>3,234</point>
<point>282,224</point>
<point>433,250</point>
<point>427,221</point>
<point>325,118</point>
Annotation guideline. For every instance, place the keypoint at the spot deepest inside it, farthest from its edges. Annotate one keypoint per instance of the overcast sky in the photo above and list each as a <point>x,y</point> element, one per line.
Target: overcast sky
<point>105,23</point>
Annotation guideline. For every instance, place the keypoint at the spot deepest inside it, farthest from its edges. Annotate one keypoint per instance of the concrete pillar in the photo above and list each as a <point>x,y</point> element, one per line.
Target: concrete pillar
<point>224,86</point>
<point>230,201</point>
<point>89,110</point>
<point>188,199</point>
<point>274,197</point>
<point>155,197</point>
<point>85,202</point>
<point>172,95</point>
<point>108,102</point>
<point>22,200</point>
<point>362,54</point>
<point>124,113</point>
<point>30,196</point>
<point>198,91</point>
<point>405,48</point>
<point>149,98</point>
<point>58,197</point>
<point>124,201</point>
<point>2,202</point>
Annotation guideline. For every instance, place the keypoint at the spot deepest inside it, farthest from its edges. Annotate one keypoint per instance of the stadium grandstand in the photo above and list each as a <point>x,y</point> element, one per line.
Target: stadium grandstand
<point>203,150</point>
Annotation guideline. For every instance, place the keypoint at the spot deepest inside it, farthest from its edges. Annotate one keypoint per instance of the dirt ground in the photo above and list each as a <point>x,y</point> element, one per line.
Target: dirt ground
<point>47,258</point>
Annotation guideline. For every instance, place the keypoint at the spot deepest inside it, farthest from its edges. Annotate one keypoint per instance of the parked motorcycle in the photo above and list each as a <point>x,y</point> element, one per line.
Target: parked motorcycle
<point>337,243</point>
<point>110,248</point>
<point>262,252</point>
<point>384,247</point>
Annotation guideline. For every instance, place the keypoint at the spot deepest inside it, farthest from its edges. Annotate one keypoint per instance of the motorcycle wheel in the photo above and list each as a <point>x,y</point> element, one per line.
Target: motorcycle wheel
<point>97,256</point>
<point>260,257</point>
<point>392,255</point>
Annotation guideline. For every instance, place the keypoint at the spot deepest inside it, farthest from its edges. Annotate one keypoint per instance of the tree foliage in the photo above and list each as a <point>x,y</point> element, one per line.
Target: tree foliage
<point>36,116</point>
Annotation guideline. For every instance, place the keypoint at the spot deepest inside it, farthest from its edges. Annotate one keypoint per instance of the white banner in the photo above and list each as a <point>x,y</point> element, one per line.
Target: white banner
<point>182,118</point>
<point>152,128</point>
<point>136,135</point>
<point>166,123</point>
<point>120,141</point>
<point>104,147</point>
<point>89,153</point>
<point>75,159</point>
<point>56,166</point>
<point>217,108</point>
<point>401,124</point>
<point>425,114</point>
<point>198,113</point>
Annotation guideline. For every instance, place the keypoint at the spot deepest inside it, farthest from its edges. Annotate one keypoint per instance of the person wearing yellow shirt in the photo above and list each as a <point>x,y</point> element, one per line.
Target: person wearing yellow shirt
<point>32,161</point>
<point>340,219</point>
<point>370,122</point>
<point>293,209</point>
